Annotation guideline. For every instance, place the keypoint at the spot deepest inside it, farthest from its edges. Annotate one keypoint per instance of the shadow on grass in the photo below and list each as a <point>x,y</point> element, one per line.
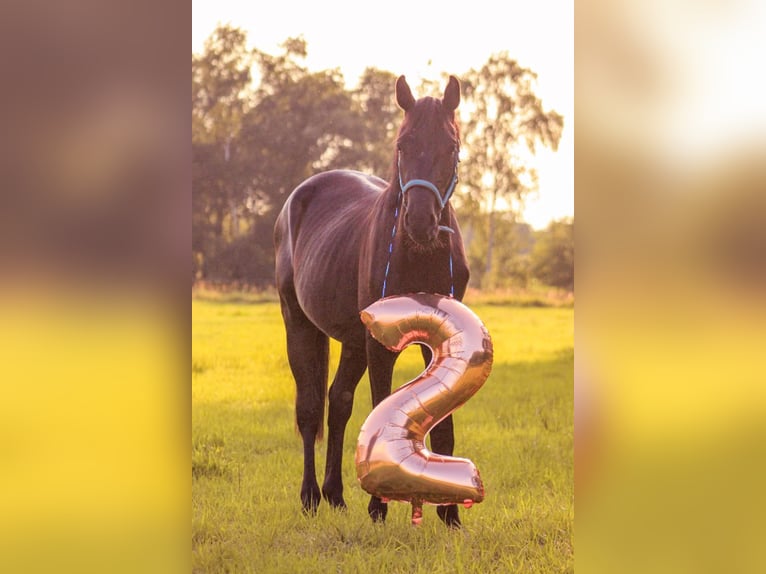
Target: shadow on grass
<point>219,293</point>
<point>535,299</point>
<point>236,298</point>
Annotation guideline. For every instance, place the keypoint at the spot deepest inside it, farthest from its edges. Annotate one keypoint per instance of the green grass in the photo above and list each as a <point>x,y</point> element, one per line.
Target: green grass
<point>247,457</point>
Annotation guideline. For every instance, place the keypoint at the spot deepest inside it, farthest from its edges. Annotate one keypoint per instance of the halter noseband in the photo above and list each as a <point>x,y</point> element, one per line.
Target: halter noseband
<point>405,187</point>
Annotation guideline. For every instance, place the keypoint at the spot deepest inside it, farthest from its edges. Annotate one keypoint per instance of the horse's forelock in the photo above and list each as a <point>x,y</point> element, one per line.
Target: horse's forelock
<point>430,112</point>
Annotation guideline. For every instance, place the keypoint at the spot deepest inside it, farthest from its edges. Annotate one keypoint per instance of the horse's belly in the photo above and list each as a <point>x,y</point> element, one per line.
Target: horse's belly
<point>326,275</point>
<point>328,297</point>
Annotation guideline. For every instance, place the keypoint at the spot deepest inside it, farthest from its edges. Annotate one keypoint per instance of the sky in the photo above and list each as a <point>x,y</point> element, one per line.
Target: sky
<point>423,39</point>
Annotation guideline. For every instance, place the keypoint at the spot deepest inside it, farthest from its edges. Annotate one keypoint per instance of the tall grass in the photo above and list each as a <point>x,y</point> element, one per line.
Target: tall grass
<point>247,457</point>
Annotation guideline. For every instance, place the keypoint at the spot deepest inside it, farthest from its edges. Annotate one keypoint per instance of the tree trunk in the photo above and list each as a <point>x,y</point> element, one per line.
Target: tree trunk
<point>234,214</point>
<point>233,208</point>
<point>487,279</point>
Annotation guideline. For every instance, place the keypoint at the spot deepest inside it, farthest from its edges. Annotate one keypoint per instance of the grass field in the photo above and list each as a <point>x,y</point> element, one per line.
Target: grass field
<point>247,457</point>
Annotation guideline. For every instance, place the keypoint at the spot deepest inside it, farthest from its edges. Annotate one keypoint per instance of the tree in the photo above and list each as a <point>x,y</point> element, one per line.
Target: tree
<point>221,81</point>
<point>297,123</point>
<point>221,96</point>
<point>553,255</point>
<point>379,116</point>
<point>505,122</point>
<point>514,241</point>
<point>252,144</point>
<point>303,122</point>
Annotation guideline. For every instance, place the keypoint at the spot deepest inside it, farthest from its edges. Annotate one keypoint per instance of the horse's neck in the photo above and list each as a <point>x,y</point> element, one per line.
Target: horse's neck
<point>386,207</point>
<point>376,244</point>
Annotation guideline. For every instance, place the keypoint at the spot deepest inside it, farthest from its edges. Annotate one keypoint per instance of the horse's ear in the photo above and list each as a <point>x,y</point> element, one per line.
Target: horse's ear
<point>452,94</point>
<point>403,94</point>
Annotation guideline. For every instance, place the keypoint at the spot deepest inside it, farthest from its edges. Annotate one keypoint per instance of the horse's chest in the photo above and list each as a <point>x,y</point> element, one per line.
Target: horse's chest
<point>426,272</point>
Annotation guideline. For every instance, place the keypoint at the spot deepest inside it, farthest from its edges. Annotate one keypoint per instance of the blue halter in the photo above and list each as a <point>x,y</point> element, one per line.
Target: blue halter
<point>403,188</point>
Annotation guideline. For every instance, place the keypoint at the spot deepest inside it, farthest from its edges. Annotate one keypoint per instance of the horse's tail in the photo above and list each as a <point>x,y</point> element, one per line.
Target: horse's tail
<point>323,367</point>
<point>318,382</point>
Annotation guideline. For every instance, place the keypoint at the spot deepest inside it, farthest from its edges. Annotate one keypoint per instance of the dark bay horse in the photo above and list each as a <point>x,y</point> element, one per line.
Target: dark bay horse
<point>345,239</point>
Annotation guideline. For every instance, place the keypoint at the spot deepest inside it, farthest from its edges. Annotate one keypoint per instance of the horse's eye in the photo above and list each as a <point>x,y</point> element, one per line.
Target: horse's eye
<point>407,145</point>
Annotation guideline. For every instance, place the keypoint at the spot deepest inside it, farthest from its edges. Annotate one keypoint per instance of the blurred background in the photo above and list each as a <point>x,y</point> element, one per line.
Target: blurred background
<point>671,281</point>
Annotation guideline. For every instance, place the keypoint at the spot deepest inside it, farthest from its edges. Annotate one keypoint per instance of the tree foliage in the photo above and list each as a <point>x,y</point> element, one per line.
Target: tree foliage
<point>379,116</point>
<point>505,123</point>
<point>221,97</point>
<point>262,123</point>
<point>221,85</point>
<point>514,241</point>
<point>553,255</point>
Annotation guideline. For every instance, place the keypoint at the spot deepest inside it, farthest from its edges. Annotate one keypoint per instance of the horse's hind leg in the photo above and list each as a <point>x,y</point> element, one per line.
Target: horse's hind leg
<point>353,362</point>
<point>307,352</point>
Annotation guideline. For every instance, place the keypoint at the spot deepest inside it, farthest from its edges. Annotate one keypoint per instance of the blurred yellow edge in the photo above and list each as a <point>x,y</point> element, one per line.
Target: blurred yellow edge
<point>685,368</point>
<point>93,434</point>
<point>671,425</point>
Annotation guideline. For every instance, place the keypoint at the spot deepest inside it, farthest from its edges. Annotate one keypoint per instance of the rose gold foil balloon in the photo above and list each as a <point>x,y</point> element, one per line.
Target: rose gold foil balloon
<point>392,461</point>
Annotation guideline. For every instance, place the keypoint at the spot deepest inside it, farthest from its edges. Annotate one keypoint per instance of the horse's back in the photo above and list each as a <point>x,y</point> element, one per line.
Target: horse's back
<point>318,235</point>
<point>325,201</point>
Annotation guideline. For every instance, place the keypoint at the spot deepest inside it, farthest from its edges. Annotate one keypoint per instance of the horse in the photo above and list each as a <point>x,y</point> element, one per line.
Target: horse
<point>345,239</point>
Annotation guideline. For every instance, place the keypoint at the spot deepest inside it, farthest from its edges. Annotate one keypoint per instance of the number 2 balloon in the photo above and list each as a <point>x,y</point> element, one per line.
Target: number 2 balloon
<point>392,461</point>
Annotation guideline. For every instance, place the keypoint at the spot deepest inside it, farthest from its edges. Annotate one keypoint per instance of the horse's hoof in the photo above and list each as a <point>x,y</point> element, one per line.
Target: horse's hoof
<point>377,510</point>
<point>449,515</point>
<point>310,500</point>
<point>334,496</point>
<point>334,499</point>
<point>310,507</point>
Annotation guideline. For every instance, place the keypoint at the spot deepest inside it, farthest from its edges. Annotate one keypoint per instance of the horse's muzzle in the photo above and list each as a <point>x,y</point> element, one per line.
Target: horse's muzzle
<point>422,225</point>
<point>423,238</point>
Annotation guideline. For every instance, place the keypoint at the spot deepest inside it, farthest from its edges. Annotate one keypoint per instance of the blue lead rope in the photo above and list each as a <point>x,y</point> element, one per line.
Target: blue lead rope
<point>391,243</point>
<point>451,279</point>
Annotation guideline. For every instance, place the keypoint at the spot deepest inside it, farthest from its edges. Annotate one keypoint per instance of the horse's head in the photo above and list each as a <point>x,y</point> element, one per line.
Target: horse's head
<point>427,154</point>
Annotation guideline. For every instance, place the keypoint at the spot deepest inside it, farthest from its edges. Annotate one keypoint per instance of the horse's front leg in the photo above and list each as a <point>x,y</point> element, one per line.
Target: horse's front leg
<point>380,364</point>
<point>353,362</point>
<point>443,442</point>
